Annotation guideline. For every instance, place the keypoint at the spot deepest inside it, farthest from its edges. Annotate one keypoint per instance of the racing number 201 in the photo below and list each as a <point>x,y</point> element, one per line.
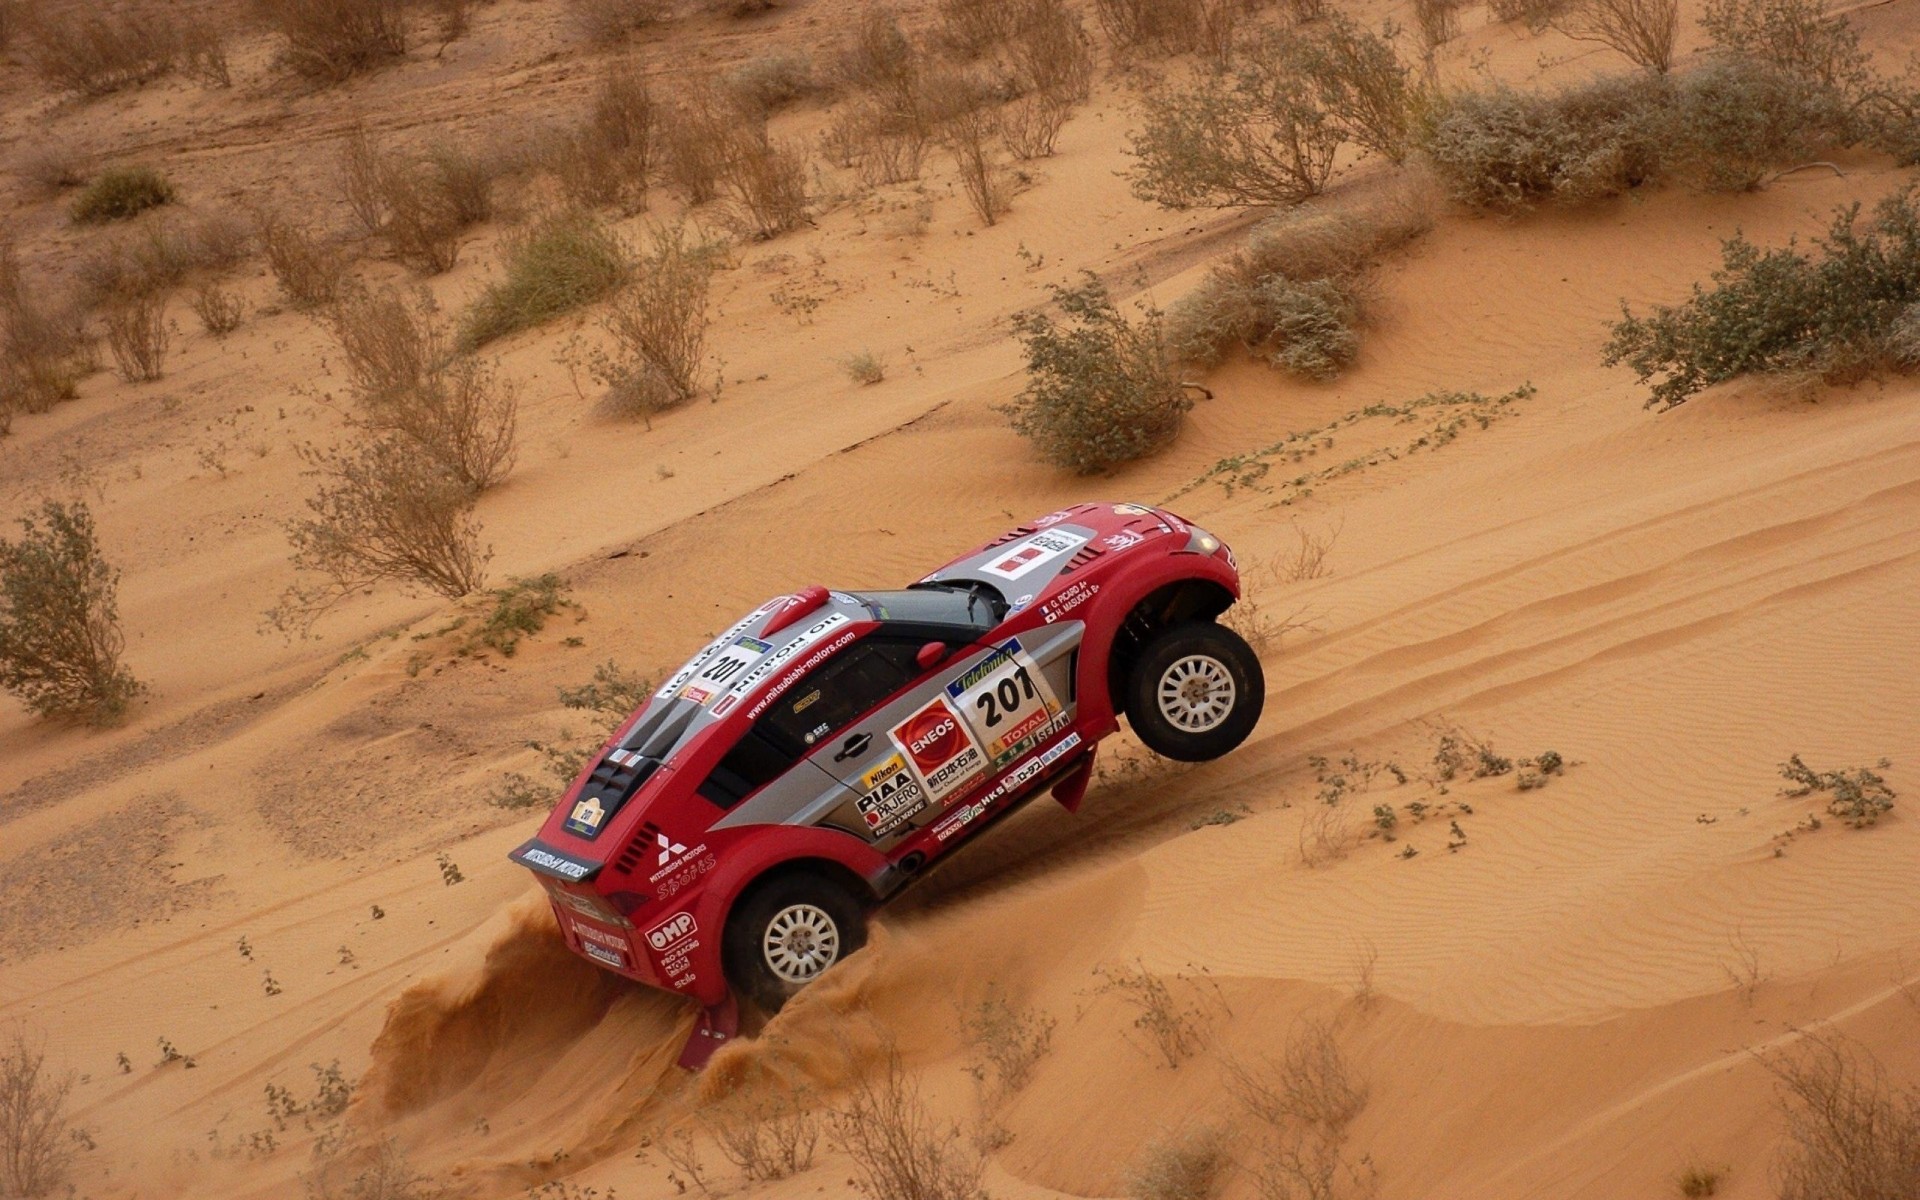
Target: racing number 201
<point>1009,694</point>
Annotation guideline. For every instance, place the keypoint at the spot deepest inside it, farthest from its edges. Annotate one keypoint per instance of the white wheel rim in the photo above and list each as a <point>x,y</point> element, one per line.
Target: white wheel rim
<point>1196,693</point>
<point>801,941</point>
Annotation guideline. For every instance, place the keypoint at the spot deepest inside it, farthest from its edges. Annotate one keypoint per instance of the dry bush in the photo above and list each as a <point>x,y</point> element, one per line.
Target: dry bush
<point>328,41</point>
<point>553,267</point>
<point>54,166</point>
<point>44,349</point>
<point>1536,15</point>
<point>1031,123</point>
<point>1642,30</point>
<point>1152,26</point>
<point>360,168</point>
<point>1438,22</point>
<point>973,28</point>
<point>767,1135</point>
<point>1189,1167</point>
<point>311,269</point>
<point>408,383</point>
<point>1295,292</point>
<point>421,206</point>
<point>967,131</point>
<point>1304,1102</point>
<point>1050,51</point>
<point>608,160</point>
<point>93,49</point>
<point>1857,795</point>
<point>1325,835</point>
<point>119,193</point>
<point>1005,1042</point>
<point>1270,131</point>
<point>899,1151</point>
<point>1100,391</point>
<point>879,57</point>
<point>604,22</point>
<point>773,81</point>
<point>378,1172</point>
<point>60,639</point>
<point>697,135</point>
<point>1795,36</point>
<point>161,255</point>
<point>1851,1133</point>
<point>880,147</point>
<point>382,512</point>
<point>36,1146</point>
<point>1739,120</point>
<point>219,310</point>
<point>138,335</point>
<point>203,56</point>
<point>658,324</point>
<point>1174,1028</point>
<point>767,181</point>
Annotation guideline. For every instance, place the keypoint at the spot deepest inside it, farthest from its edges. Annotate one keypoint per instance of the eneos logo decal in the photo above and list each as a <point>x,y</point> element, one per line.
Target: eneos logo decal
<point>941,748</point>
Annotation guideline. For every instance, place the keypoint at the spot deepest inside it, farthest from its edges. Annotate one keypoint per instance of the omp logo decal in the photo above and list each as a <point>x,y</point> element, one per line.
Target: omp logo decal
<point>668,848</point>
<point>674,929</point>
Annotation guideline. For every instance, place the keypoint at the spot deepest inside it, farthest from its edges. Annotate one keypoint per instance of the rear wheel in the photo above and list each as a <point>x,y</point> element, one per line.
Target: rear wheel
<point>785,933</point>
<point>1195,692</point>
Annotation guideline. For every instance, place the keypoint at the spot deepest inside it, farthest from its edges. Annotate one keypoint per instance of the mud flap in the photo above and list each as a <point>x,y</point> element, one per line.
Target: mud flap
<point>716,1027</point>
<point>1072,787</point>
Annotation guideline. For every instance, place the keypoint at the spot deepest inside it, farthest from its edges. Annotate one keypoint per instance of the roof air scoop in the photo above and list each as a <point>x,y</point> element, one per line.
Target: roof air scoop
<point>798,605</point>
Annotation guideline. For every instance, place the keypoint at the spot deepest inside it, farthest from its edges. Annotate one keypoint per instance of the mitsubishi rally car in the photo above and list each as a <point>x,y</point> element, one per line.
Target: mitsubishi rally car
<point>817,757</point>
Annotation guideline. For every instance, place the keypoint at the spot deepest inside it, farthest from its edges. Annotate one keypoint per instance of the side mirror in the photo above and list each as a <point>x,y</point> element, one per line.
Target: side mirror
<point>931,655</point>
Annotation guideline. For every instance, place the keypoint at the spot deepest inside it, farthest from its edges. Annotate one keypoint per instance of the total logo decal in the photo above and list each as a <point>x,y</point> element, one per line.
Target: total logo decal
<point>1029,554</point>
<point>890,796</point>
<point>945,755</point>
<point>961,817</point>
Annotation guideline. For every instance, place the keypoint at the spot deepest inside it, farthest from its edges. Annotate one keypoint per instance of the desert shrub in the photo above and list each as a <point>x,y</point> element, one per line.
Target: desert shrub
<point>138,335</point>
<point>766,1134</point>
<point>1005,1042</point>
<point>1794,36</point>
<point>658,324</point>
<point>329,41</point>
<point>421,205</point>
<point>972,28</point>
<point>1030,124</point>
<point>203,56</point>
<point>555,266</point>
<point>967,132</point>
<point>53,166</point>
<point>1857,795</point>
<point>1739,119</point>
<point>1050,52</point>
<point>311,269</point>
<point>44,349</point>
<point>899,1151</point>
<point>613,690</point>
<point>766,181</point>
<point>863,367</point>
<point>774,80</point>
<point>1508,150</point>
<point>381,512</point>
<point>1438,22</point>
<point>36,1146</point>
<point>1269,131</point>
<point>219,310</point>
<point>1536,15</point>
<point>1100,388</point>
<point>1851,1133</point>
<point>1837,313</point>
<point>879,57</point>
<point>881,145</point>
<point>60,639</point>
<point>408,383</point>
<point>1302,1104</point>
<point>360,168</point>
<point>1295,290</point>
<point>607,161</point>
<point>119,193</point>
<point>1642,30</point>
<point>605,22</point>
<point>93,49</point>
<point>1152,26</point>
<point>696,136</point>
<point>160,255</point>
<point>1189,1167</point>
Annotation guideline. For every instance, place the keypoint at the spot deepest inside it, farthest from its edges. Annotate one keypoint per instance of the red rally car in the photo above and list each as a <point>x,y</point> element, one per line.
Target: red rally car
<point>818,756</point>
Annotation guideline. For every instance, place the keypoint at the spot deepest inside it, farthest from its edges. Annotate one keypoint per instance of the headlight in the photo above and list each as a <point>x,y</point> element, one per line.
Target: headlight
<point>1200,541</point>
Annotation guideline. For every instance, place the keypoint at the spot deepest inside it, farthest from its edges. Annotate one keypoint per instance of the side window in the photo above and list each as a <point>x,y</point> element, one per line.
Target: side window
<point>843,689</point>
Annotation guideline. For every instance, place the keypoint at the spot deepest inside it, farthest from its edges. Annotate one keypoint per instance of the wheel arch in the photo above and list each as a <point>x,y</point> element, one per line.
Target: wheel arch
<point>1190,599</point>
<point>837,873</point>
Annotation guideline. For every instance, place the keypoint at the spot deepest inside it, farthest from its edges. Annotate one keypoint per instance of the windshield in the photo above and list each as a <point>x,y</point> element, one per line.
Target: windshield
<point>969,605</point>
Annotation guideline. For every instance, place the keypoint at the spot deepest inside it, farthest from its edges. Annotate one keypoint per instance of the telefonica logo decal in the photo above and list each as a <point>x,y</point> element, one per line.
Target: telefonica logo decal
<point>668,848</point>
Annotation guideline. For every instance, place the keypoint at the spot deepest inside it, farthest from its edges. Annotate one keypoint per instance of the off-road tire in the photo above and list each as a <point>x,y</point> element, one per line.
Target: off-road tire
<point>1195,692</point>
<point>801,903</point>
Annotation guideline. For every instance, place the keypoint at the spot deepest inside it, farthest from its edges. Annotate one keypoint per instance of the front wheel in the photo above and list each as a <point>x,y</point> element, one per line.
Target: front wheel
<point>785,933</point>
<point>1195,692</point>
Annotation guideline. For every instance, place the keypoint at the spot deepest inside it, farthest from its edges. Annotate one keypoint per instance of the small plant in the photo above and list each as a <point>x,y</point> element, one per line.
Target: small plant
<point>376,912</point>
<point>269,984</point>
<point>122,192</point>
<point>138,336</point>
<point>1857,795</point>
<point>1101,390</point>
<point>612,691</point>
<point>1699,1181</point>
<point>449,870</point>
<point>36,1144</point>
<point>95,50</point>
<point>1839,315</point>
<point>1188,1167</point>
<point>554,267</point>
<point>329,41</point>
<point>311,269</point>
<point>1005,1042</point>
<point>864,367</point>
<point>348,958</point>
<point>658,324</point>
<point>124,1063</point>
<point>1795,36</point>
<point>1642,30</point>
<point>219,310</point>
<point>609,159</point>
<point>515,791</point>
<point>1303,1103</point>
<point>899,1151</point>
<point>60,638</point>
<point>245,948</point>
<point>1173,1027</point>
<point>767,1136</point>
<point>1852,1134</point>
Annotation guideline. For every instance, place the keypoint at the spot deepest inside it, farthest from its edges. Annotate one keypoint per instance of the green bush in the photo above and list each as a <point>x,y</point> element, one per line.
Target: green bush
<point>558,265</point>
<point>1794,36</point>
<point>1840,313</point>
<point>1508,150</point>
<point>120,193</point>
<point>1741,118</point>
<point>60,638</point>
<point>1100,388</point>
